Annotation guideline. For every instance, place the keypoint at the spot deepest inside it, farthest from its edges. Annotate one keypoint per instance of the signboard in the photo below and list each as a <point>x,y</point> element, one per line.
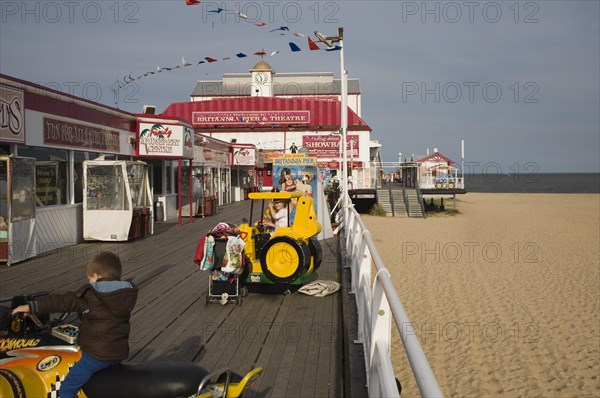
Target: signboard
<point>165,140</point>
<point>243,156</point>
<point>63,133</point>
<point>212,155</point>
<point>327,146</point>
<point>12,115</point>
<point>46,182</point>
<point>296,172</point>
<point>270,155</point>
<point>251,117</point>
<point>293,171</point>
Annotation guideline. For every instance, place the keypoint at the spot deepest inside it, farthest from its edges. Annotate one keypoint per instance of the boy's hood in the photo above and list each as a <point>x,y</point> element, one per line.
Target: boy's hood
<point>118,296</point>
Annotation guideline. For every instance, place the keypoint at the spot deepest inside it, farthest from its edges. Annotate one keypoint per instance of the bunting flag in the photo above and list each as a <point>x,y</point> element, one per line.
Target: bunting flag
<point>337,47</point>
<point>283,30</point>
<point>312,45</point>
<point>294,48</point>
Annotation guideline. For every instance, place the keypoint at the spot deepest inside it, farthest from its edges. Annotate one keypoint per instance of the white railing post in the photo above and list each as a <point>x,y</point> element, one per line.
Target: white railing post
<point>363,302</point>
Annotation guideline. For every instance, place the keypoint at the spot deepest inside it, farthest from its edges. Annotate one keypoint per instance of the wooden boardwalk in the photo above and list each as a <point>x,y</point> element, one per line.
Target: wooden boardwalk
<point>297,339</point>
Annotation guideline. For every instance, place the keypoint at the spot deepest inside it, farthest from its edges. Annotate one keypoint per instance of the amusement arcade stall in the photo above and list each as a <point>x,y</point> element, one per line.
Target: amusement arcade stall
<point>117,204</point>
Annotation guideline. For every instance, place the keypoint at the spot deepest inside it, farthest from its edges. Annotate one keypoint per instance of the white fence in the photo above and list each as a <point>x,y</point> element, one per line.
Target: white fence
<point>430,182</point>
<point>376,304</point>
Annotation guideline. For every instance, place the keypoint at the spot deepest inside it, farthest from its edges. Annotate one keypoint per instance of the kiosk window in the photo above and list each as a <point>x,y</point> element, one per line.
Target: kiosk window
<point>23,189</point>
<point>105,188</point>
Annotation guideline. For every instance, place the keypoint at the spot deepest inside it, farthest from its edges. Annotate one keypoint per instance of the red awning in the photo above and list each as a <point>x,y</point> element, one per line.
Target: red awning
<point>322,114</point>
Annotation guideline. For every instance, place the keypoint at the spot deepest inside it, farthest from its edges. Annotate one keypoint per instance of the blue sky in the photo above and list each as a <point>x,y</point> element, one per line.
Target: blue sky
<point>519,81</point>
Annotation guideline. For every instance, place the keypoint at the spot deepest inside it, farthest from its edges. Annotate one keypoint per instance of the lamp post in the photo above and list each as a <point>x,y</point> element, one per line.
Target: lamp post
<point>329,40</point>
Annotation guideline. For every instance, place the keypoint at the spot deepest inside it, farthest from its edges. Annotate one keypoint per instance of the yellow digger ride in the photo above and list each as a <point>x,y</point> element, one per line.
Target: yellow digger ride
<point>289,255</point>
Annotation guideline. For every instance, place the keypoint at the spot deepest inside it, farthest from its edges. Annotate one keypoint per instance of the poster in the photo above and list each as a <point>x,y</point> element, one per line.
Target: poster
<point>46,181</point>
<point>296,173</point>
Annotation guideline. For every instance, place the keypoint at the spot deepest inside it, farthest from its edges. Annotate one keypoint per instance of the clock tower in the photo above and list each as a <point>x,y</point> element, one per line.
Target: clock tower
<point>262,79</point>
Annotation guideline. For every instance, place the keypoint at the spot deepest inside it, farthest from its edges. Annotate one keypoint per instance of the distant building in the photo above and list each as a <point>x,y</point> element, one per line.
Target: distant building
<point>280,113</point>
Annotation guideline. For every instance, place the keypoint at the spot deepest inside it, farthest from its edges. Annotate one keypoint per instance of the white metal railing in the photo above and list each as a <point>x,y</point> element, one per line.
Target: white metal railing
<point>376,305</point>
<point>430,182</point>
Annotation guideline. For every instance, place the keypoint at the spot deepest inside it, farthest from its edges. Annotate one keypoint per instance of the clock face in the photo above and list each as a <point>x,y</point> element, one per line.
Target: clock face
<point>261,77</point>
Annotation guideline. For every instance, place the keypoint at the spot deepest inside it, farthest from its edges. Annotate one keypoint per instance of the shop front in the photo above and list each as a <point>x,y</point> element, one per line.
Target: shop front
<point>245,174</point>
<point>211,175</point>
<point>261,129</point>
<point>167,144</point>
<point>58,132</point>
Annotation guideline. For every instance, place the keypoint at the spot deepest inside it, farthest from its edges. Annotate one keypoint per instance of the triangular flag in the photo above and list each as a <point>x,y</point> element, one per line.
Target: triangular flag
<point>335,48</point>
<point>184,62</point>
<point>294,47</point>
<point>274,52</point>
<point>240,55</point>
<point>312,45</point>
<point>209,59</point>
<point>192,2</point>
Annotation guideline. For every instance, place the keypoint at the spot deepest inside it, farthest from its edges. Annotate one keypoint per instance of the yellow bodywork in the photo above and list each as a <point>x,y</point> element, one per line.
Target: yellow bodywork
<point>305,226</point>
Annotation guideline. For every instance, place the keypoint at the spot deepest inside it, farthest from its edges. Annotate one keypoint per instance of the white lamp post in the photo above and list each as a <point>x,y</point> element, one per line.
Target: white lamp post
<point>329,40</point>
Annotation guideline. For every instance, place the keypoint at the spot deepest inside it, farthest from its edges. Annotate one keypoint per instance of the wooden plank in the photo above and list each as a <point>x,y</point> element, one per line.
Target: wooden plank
<point>289,336</point>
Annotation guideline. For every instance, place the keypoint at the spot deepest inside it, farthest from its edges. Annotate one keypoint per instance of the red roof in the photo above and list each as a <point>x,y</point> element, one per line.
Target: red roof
<point>437,158</point>
<point>324,114</point>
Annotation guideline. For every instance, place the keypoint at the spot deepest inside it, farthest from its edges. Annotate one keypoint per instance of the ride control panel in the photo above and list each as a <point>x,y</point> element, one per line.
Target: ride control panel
<point>66,332</point>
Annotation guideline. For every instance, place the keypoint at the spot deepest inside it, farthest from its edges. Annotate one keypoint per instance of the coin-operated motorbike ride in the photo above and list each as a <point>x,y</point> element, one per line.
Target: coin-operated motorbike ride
<point>289,255</point>
<point>36,354</point>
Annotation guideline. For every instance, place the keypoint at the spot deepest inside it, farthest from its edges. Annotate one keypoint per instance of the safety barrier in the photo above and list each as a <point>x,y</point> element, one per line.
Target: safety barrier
<point>376,304</point>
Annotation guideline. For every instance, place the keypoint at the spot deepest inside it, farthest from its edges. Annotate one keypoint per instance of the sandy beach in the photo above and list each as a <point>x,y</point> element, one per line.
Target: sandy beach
<point>505,297</point>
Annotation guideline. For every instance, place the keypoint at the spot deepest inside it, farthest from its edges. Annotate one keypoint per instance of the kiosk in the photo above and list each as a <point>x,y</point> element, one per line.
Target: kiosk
<point>117,202</point>
<point>17,209</point>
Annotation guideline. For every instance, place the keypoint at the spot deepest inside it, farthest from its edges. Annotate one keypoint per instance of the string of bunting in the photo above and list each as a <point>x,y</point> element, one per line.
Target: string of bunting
<point>294,48</point>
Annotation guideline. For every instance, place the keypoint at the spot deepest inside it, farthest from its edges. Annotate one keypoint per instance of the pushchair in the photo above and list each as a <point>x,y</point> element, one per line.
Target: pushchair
<point>221,252</point>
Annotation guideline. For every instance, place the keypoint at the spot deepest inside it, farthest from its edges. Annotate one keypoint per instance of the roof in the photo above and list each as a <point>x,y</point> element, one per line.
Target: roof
<point>324,114</point>
<point>243,87</point>
<point>262,66</point>
<point>436,157</point>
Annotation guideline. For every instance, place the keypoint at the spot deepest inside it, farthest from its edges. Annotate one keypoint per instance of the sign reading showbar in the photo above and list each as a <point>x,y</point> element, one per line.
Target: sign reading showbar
<point>250,117</point>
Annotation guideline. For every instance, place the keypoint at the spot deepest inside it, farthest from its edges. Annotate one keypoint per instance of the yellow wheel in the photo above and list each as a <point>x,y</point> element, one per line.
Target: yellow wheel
<point>438,185</point>
<point>283,259</point>
<point>451,185</point>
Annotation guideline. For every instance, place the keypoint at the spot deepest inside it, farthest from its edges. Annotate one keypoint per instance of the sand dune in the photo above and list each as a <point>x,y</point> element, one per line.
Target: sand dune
<point>505,297</point>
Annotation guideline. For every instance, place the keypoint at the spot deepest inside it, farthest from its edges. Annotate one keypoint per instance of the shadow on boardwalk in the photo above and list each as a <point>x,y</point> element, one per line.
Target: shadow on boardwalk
<point>297,339</point>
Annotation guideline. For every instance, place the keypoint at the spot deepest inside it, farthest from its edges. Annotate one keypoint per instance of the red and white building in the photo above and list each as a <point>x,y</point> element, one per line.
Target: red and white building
<point>281,113</point>
<point>436,171</point>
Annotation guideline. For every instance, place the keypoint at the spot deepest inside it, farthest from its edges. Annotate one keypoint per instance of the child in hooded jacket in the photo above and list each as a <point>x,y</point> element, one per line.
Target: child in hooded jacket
<point>105,305</point>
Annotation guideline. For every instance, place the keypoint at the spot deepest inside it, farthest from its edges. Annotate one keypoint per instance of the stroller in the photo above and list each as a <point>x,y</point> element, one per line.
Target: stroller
<point>221,252</point>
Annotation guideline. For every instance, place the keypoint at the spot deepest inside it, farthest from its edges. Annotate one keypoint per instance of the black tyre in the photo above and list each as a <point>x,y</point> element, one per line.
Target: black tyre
<point>283,259</point>
<point>10,383</point>
<point>316,252</point>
